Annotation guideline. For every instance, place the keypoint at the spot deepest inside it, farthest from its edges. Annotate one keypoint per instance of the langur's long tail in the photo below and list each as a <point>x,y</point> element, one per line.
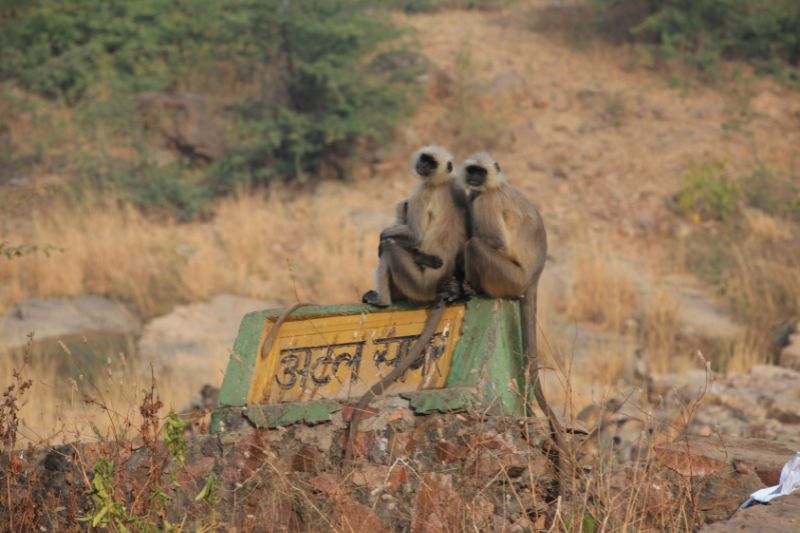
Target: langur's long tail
<point>557,433</point>
<point>377,389</point>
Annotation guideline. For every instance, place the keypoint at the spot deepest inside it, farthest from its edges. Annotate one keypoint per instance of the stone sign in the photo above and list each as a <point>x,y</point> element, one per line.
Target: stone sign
<point>340,357</point>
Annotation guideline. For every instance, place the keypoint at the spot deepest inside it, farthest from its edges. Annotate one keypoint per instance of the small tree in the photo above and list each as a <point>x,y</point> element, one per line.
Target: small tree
<point>319,95</point>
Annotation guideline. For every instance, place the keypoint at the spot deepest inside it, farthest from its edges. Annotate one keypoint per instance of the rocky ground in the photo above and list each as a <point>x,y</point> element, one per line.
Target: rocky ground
<point>435,473</point>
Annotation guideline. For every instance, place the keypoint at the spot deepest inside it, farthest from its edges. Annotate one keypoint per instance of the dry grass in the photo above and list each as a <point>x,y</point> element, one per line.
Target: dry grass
<point>755,265</point>
<point>603,289</point>
<point>259,245</point>
<point>313,246</point>
<point>659,333</point>
<point>56,408</point>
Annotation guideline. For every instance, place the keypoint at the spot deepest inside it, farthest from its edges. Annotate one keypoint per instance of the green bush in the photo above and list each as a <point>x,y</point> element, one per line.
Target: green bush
<point>175,189</point>
<point>327,97</point>
<point>708,192</point>
<point>426,6</point>
<point>764,32</point>
<point>60,48</point>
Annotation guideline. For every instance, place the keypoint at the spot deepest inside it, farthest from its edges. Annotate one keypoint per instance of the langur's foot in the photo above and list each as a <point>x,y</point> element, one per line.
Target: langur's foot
<point>467,290</point>
<point>373,298</point>
<point>449,291</point>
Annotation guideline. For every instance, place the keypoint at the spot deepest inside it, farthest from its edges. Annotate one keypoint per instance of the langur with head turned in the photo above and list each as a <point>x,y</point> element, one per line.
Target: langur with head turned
<point>418,254</point>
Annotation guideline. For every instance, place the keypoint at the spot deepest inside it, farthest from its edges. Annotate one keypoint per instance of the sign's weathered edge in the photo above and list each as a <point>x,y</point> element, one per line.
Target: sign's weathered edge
<point>488,360</point>
<point>441,400</point>
<point>292,412</point>
<point>490,355</point>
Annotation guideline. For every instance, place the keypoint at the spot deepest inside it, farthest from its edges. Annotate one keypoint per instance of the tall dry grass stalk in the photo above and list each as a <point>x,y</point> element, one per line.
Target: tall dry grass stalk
<point>763,285</point>
<point>659,334</point>
<point>64,409</point>
<point>603,289</point>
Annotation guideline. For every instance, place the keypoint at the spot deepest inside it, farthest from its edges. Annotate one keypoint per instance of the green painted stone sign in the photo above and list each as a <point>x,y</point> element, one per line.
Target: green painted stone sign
<point>326,356</point>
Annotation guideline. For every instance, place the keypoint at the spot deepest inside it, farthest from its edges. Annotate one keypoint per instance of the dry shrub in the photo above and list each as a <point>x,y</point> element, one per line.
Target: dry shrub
<point>768,228</point>
<point>753,260</point>
<point>603,289</point>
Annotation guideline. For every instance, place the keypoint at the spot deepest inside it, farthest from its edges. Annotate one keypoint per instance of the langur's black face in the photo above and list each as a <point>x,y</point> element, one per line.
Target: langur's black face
<point>475,176</point>
<point>426,165</point>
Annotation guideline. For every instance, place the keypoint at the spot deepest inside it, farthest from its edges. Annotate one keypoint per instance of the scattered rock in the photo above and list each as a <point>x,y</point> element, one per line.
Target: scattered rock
<point>438,505</point>
<point>362,442</point>
<point>320,437</point>
<point>728,469</point>
<point>247,456</point>
<point>19,181</point>
<point>703,456</point>
<point>381,477</point>
<point>685,387</point>
<point>448,451</point>
<point>307,459</point>
<point>760,403</point>
<point>354,516</point>
<point>197,337</point>
<point>328,483</point>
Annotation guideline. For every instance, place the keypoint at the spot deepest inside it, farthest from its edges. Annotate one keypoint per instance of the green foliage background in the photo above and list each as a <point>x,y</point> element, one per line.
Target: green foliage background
<point>324,79</point>
<point>763,32</point>
<point>318,94</point>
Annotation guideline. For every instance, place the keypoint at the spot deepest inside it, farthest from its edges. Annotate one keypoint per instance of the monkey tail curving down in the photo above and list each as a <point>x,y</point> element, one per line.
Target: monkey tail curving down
<point>377,389</point>
<point>557,432</point>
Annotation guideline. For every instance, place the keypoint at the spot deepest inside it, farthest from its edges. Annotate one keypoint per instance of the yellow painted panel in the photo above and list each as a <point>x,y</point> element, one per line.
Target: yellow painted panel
<point>340,357</point>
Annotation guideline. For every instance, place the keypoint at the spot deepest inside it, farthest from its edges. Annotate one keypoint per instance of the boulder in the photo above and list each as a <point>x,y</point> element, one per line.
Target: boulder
<point>60,318</point>
<point>725,470</point>
<point>761,403</point>
<point>779,516</point>
<point>196,340</point>
<point>703,456</point>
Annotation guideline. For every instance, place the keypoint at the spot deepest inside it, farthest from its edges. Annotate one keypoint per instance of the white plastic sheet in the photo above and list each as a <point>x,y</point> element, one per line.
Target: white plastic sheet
<point>789,482</point>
